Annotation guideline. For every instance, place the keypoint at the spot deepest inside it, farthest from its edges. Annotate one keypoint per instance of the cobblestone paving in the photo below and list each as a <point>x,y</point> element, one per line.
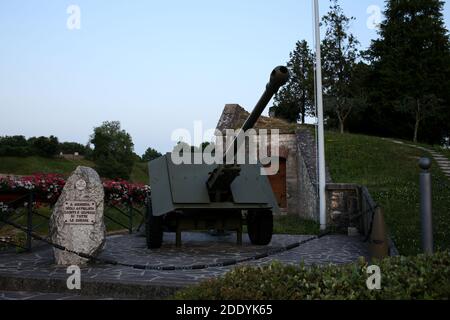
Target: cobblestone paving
<point>198,248</point>
<point>21,295</point>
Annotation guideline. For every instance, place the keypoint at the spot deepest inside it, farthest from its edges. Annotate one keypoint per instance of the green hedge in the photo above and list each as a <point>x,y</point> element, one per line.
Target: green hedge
<point>419,277</point>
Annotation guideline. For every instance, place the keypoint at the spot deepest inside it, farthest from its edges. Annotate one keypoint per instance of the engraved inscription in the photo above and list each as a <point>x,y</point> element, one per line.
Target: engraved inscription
<point>79,212</point>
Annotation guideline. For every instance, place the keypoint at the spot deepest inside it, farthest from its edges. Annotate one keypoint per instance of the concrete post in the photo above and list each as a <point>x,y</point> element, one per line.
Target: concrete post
<point>425,206</point>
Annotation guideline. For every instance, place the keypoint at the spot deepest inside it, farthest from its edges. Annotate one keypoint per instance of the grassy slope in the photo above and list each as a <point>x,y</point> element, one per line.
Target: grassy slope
<point>30,165</point>
<point>391,173</point>
<point>140,173</point>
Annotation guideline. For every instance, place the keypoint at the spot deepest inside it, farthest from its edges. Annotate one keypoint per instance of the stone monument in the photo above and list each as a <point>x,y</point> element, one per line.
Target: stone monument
<point>77,222</point>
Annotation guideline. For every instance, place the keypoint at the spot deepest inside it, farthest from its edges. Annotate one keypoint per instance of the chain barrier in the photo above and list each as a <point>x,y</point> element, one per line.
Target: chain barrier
<point>172,268</point>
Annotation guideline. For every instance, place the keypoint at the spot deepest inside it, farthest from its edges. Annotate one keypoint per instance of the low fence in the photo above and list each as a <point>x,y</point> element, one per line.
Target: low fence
<point>21,209</point>
<point>351,207</point>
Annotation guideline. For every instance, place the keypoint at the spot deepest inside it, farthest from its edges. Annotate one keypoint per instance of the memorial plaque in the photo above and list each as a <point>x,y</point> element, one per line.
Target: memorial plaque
<point>77,222</point>
<point>79,212</point>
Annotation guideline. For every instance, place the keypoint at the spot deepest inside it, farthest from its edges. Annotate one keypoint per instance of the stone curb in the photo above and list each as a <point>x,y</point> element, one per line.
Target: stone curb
<point>89,288</point>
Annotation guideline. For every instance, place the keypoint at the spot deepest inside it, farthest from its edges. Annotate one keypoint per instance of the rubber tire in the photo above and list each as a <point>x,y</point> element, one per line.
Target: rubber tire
<point>154,230</point>
<point>260,227</point>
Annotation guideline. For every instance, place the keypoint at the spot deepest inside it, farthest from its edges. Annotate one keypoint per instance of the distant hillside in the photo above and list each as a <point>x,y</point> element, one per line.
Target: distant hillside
<point>30,165</point>
<point>391,173</point>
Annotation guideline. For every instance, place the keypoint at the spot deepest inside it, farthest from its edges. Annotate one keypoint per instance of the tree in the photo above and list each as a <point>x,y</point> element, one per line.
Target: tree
<point>295,101</point>
<point>411,62</point>
<point>340,53</point>
<point>151,154</point>
<point>360,85</point>
<point>113,153</point>
<point>15,146</point>
<point>45,147</point>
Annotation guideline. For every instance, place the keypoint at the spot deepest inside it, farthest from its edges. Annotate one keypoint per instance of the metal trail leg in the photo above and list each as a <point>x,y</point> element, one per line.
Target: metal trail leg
<point>178,238</point>
<point>239,235</point>
<point>29,221</point>
<point>178,234</point>
<point>130,217</point>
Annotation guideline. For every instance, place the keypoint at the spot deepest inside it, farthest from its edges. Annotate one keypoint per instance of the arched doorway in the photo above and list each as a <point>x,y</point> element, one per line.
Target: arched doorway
<point>278,183</point>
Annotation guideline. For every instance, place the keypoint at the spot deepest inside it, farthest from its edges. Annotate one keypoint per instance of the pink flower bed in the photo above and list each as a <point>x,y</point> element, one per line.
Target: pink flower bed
<point>48,187</point>
<point>123,192</point>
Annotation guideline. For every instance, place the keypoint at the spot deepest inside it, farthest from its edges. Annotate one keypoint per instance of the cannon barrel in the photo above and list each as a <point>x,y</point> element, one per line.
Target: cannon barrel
<point>224,175</point>
<point>278,78</point>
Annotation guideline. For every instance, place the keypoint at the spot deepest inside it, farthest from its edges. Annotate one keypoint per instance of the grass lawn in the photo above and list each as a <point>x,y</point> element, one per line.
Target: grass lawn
<point>140,173</point>
<point>294,225</point>
<point>391,173</point>
<point>31,165</point>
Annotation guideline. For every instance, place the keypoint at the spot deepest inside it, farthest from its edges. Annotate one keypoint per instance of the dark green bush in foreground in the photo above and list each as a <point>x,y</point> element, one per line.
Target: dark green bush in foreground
<point>419,277</point>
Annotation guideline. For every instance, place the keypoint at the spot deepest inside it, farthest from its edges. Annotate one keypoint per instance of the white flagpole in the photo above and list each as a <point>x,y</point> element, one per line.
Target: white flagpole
<point>321,133</point>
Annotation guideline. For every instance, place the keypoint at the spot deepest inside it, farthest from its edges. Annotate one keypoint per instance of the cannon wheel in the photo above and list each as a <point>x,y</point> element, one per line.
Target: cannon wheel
<point>260,227</point>
<point>153,229</point>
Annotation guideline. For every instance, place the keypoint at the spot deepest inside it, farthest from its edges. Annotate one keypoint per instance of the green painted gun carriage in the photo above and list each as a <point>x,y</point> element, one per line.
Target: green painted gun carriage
<point>214,197</point>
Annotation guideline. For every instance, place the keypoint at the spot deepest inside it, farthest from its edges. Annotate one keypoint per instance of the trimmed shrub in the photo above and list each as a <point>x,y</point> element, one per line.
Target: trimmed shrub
<point>402,278</point>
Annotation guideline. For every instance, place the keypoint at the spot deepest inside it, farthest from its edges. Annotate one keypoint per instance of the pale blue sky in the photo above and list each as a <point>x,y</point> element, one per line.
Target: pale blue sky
<point>154,65</point>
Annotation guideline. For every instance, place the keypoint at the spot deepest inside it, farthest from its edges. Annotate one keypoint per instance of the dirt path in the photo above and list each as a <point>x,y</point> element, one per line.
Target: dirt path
<point>442,161</point>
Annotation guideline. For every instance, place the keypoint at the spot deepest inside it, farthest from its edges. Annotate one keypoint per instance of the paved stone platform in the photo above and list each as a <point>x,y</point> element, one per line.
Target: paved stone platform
<point>22,295</point>
<point>36,272</point>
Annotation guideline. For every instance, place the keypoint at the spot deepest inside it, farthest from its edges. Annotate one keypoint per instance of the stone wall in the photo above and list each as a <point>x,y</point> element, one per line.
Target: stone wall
<point>308,174</point>
<point>308,207</point>
<point>343,206</point>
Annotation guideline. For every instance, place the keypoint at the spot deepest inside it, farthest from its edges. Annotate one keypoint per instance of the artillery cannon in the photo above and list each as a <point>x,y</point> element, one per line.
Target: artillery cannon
<point>203,196</point>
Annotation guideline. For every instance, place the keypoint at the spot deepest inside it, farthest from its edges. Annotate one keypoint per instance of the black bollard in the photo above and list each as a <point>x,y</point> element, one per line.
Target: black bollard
<point>425,206</point>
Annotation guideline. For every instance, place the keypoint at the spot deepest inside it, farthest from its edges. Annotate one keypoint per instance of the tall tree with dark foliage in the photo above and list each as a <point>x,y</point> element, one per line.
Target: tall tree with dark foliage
<point>295,101</point>
<point>340,53</point>
<point>411,65</point>
<point>113,153</point>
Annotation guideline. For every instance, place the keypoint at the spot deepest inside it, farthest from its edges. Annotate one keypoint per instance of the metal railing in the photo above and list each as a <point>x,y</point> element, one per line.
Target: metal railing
<point>362,212</point>
<point>14,215</point>
<point>128,212</point>
<point>22,211</point>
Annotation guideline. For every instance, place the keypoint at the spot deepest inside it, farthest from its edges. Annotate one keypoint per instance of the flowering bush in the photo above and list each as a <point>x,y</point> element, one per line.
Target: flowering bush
<point>123,192</point>
<point>48,187</point>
